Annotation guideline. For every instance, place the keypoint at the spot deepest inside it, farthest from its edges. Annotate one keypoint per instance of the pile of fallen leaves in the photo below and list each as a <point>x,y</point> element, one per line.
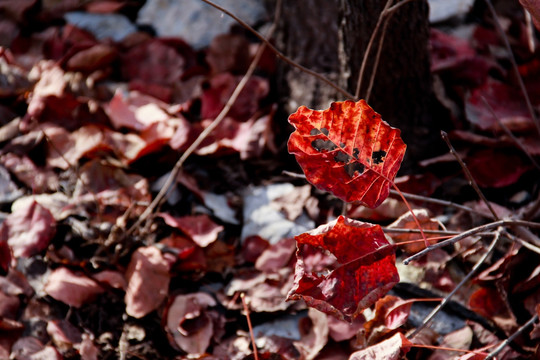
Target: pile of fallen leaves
<point>90,130</point>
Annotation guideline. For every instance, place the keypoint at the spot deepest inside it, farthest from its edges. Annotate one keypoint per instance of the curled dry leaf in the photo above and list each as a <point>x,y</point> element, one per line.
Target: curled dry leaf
<point>28,230</point>
<point>148,281</point>
<point>390,349</point>
<point>71,288</point>
<point>266,291</point>
<point>406,221</point>
<point>276,256</point>
<point>532,7</point>
<point>360,267</point>
<point>459,339</point>
<point>63,334</point>
<point>390,313</point>
<point>189,324</point>
<point>38,179</point>
<point>316,338</point>
<point>490,303</point>
<point>347,150</point>
<point>200,228</point>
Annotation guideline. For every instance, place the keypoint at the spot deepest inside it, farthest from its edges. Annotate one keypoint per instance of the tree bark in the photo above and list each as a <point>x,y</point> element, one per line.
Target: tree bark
<point>331,36</point>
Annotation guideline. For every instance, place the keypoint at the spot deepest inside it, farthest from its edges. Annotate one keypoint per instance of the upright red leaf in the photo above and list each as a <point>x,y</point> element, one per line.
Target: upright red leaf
<point>343,267</point>
<point>347,150</point>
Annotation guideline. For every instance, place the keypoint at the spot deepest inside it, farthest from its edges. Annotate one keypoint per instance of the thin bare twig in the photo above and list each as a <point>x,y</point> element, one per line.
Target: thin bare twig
<point>530,31</point>
<point>177,167</point>
<point>416,231</point>
<point>386,14</point>
<point>506,342</point>
<point>514,64</point>
<point>368,48</point>
<point>468,174</point>
<point>509,133</point>
<point>439,202</point>
<point>279,54</point>
<point>447,298</point>
<point>473,231</point>
<point>410,197</point>
<point>397,6</point>
<point>523,243</point>
<point>377,56</point>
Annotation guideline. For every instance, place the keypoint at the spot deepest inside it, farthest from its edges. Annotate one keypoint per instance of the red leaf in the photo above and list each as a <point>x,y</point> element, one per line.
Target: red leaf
<point>390,349</point>
<point>200,228</point>
<point>361,272</point>
<point>490,303</point>
<point>73,289</point>
<point>506,102</point>
<point>94,58</point>
<point>28,230</point>
<point>347,150</point>
<point>153,62</point>
<point>220,88</point>
<point>148,281</point>
<point>496,168</point>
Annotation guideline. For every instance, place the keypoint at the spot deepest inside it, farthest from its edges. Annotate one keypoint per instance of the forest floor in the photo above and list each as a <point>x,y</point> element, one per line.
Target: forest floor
<point>90,268</point>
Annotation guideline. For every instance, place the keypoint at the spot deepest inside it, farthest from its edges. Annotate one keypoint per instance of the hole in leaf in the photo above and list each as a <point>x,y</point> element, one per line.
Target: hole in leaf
<point>341,157</point>
<point>378,156</point>
<point>314,131</point>
<point>325,131</point>
<point>320,145</point>
<point>355,153</point>
<point>353,168</point>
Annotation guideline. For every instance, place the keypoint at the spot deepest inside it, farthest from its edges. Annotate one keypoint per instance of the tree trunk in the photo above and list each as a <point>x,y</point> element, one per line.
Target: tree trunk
<point>331,36</point>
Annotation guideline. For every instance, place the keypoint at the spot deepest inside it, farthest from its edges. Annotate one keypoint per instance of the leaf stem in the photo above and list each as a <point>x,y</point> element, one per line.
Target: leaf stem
<point>433,347</point>
<point>439,202</point>
<point>419,240</point>
<point>468,174</point>
<point>404,230</point>
<point>412,213</point>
